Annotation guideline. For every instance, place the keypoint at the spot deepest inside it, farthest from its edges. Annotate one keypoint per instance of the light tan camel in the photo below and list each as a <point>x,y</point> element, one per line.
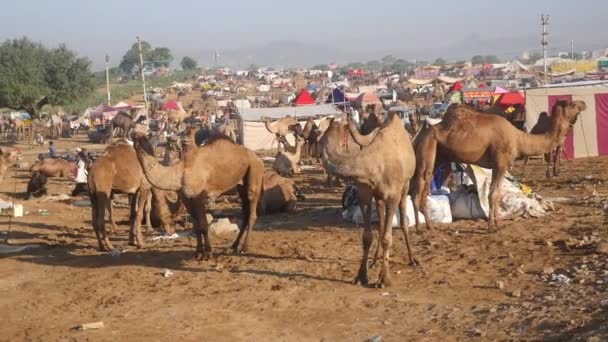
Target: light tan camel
<point>286,163</point>
<point>7,160</point>
<point>280,194</point>
<point>281,127</point>
<point>51,167</point>
<point>553,157</point>
<point>382,174</point>
<point>223,130</point>
<point>207,172</point>
<point>489,141</point>
<point>117,169</point>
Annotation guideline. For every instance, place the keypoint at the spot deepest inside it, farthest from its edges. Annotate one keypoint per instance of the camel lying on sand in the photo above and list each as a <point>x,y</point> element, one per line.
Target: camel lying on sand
<point>51,167</point>
<point>381,174</point>
<point>489,141</point>
<point>280,194</point>
<point>286,163</point>
<point>206,172</point>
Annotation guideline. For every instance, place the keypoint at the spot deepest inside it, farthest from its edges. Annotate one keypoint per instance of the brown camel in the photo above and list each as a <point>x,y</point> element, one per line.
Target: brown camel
<point>281,127</point>
<point>490,141</point>
<point>207,172</point>
<point>371,123</point>
<point>286,163</point>
<point>7,160</point>
<point>382,174</point>
<point>117,169</point>
<point>280,194</point>
<point>542,126</point>
<point>51,167</point>
<point>221,130</point>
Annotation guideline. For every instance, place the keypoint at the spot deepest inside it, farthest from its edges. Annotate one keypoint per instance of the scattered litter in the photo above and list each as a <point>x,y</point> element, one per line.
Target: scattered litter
<point>43,212</point>
<point>559,279</point>
<point>500,285</point>
<point>6,249</point>
<point>223,226</point>
<point>604,302</point>
<point>167,273</point>
<point>116,252</point>
<point>6,208</point>
<point>56,198</point>
<point>308,167</point>
<point>385,293</point>
<point>172,236</point>
<point>89,326</point>
<point>376,338</point>
<point>516,293</point>
<point>588,177</point>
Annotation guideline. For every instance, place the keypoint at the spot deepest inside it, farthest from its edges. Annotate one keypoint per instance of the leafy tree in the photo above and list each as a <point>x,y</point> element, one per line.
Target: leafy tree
<point>373,65</point>
<point>460,62</point>
<point>492,59</point>
<point>534,57</point>
<point>440,61</point>
<point>400,66</point>
<point>484,59</point>
<point>253,68</point>
<point>131,58</point>
<point>188,63</point>
<point>160,56</point>
<point>388,60</point>
<point>34,76</point>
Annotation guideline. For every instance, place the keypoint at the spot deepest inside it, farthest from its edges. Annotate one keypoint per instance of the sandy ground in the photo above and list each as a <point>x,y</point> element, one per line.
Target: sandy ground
<point>295,282</point>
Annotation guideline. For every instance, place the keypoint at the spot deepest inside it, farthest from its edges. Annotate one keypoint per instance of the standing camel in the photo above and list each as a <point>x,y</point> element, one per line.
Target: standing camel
<point>118,170</point>
<point>380,173</point>
<point>542,126</point>
<point>124,123</point>
<point>207,172</point>
<point>489,141</point>
<point>56,123</point>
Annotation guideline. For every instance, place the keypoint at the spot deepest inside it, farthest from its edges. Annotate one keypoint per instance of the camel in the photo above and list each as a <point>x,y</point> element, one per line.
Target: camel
<point>176,116</point>
<point>371,123</point>
<point>489,141</point>
<point>221,130</point>
<point>286,163</point>
<point>7,160</point>
<point>51,167</point>
<point>542,126</point>
<point>117,169</point>
<point>381,175</point>
<point>55,124</point>
<point>281,127</point>
<point>280,194</point>
<point>123,122</point>
<point>207,172</point>
<point>36,186</point>
<point>19,128</point>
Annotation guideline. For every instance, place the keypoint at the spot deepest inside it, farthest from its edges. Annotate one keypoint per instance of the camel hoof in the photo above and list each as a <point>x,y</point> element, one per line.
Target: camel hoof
<point>415,263</point>
<point>361,281</point>
<point>201,256</point>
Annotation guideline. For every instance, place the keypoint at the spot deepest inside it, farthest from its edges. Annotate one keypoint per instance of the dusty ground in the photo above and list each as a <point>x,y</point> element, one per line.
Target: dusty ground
<point>295,283</point>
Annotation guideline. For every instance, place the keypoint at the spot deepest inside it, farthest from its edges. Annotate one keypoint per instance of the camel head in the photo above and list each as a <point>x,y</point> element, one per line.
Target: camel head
<point>568,110</point>
<point>140,141</point>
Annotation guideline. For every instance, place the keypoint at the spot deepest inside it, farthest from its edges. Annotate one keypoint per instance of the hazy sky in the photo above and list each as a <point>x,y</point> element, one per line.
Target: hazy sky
<point>95,27</point>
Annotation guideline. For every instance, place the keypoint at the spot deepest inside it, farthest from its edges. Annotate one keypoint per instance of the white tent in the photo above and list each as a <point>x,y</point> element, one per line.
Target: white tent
<point>256,114</point>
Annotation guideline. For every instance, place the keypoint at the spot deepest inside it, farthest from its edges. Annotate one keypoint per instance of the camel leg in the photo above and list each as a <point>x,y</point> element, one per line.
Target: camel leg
<point>381,210</point>
<point>404,225</point>
<point>99,202</point>
<point>147,210</point>
<point>201,229</point>
<point>141,199</point>
<point>384,278</point>
<point>113,228</point>
<point>523,170</point>
<point>367,240</point>
<point>250,196</point>
<point>556,160</point>
<point>498,174</point>
<point>548,156</point>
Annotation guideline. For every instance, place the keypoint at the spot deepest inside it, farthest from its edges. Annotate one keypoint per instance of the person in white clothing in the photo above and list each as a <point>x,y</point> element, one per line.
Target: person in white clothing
<point>81,172</point>
<point>355,117</point>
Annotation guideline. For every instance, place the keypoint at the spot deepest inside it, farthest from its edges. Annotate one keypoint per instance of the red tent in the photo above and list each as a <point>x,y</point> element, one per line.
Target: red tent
<point>170,105</point>
<point>303,99</point>
<point>510,99</point>
<point>456,86</point>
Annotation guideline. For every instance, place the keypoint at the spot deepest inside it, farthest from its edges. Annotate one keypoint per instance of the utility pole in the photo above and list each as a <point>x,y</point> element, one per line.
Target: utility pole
<point>572,50</point>
<point>544,19</point>
<point>141,68</point>
<point>108,78</point>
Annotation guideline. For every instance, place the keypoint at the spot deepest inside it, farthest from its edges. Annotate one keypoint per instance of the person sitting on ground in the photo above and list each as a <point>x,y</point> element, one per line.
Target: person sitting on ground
<point>52,150</point>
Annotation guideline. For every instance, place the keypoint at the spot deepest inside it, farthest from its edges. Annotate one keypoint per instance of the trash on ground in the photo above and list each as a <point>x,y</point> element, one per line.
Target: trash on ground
<point>559,279</point>
<point>89,326</point>
<point>167,273</point>
<point>223,226</point>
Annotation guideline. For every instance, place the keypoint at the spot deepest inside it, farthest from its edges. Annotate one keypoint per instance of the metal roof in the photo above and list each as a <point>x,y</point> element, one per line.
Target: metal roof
<point>256,114</point>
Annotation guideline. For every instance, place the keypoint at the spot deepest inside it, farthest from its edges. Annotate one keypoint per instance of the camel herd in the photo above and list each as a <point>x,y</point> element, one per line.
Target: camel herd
<point>381,158</point>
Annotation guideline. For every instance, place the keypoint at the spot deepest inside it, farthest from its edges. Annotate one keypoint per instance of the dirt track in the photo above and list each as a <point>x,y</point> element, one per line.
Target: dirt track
<point>295,283</point>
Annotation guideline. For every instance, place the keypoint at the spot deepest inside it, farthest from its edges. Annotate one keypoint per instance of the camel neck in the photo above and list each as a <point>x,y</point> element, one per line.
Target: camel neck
<point>166,178</point>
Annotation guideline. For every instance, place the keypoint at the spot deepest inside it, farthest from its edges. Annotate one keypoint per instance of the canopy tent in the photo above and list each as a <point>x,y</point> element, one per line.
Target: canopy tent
<point>455,87</point>
<point>589,136</point>
<point>171,104</point>
<point>368,99</point>
<point>510,99</point>
<point>336,97</point>
<point>303,99</point>
<point>415,81</point>
<point>450,80</point>
<point>499,90</point>
<point>102,113</point>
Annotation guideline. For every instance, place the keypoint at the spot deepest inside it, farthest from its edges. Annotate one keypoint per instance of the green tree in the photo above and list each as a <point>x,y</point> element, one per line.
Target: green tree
<point>400,66</point>
<point>160,56</point>
<point>320,67</point>
<point>188,63</point>
<point>373,65</point>
<point>131,58</point>
<point>440,61</point>
<point>388,60</point>
<point>34,76</point>
<point>477,60</point>
<point>484,59</point>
